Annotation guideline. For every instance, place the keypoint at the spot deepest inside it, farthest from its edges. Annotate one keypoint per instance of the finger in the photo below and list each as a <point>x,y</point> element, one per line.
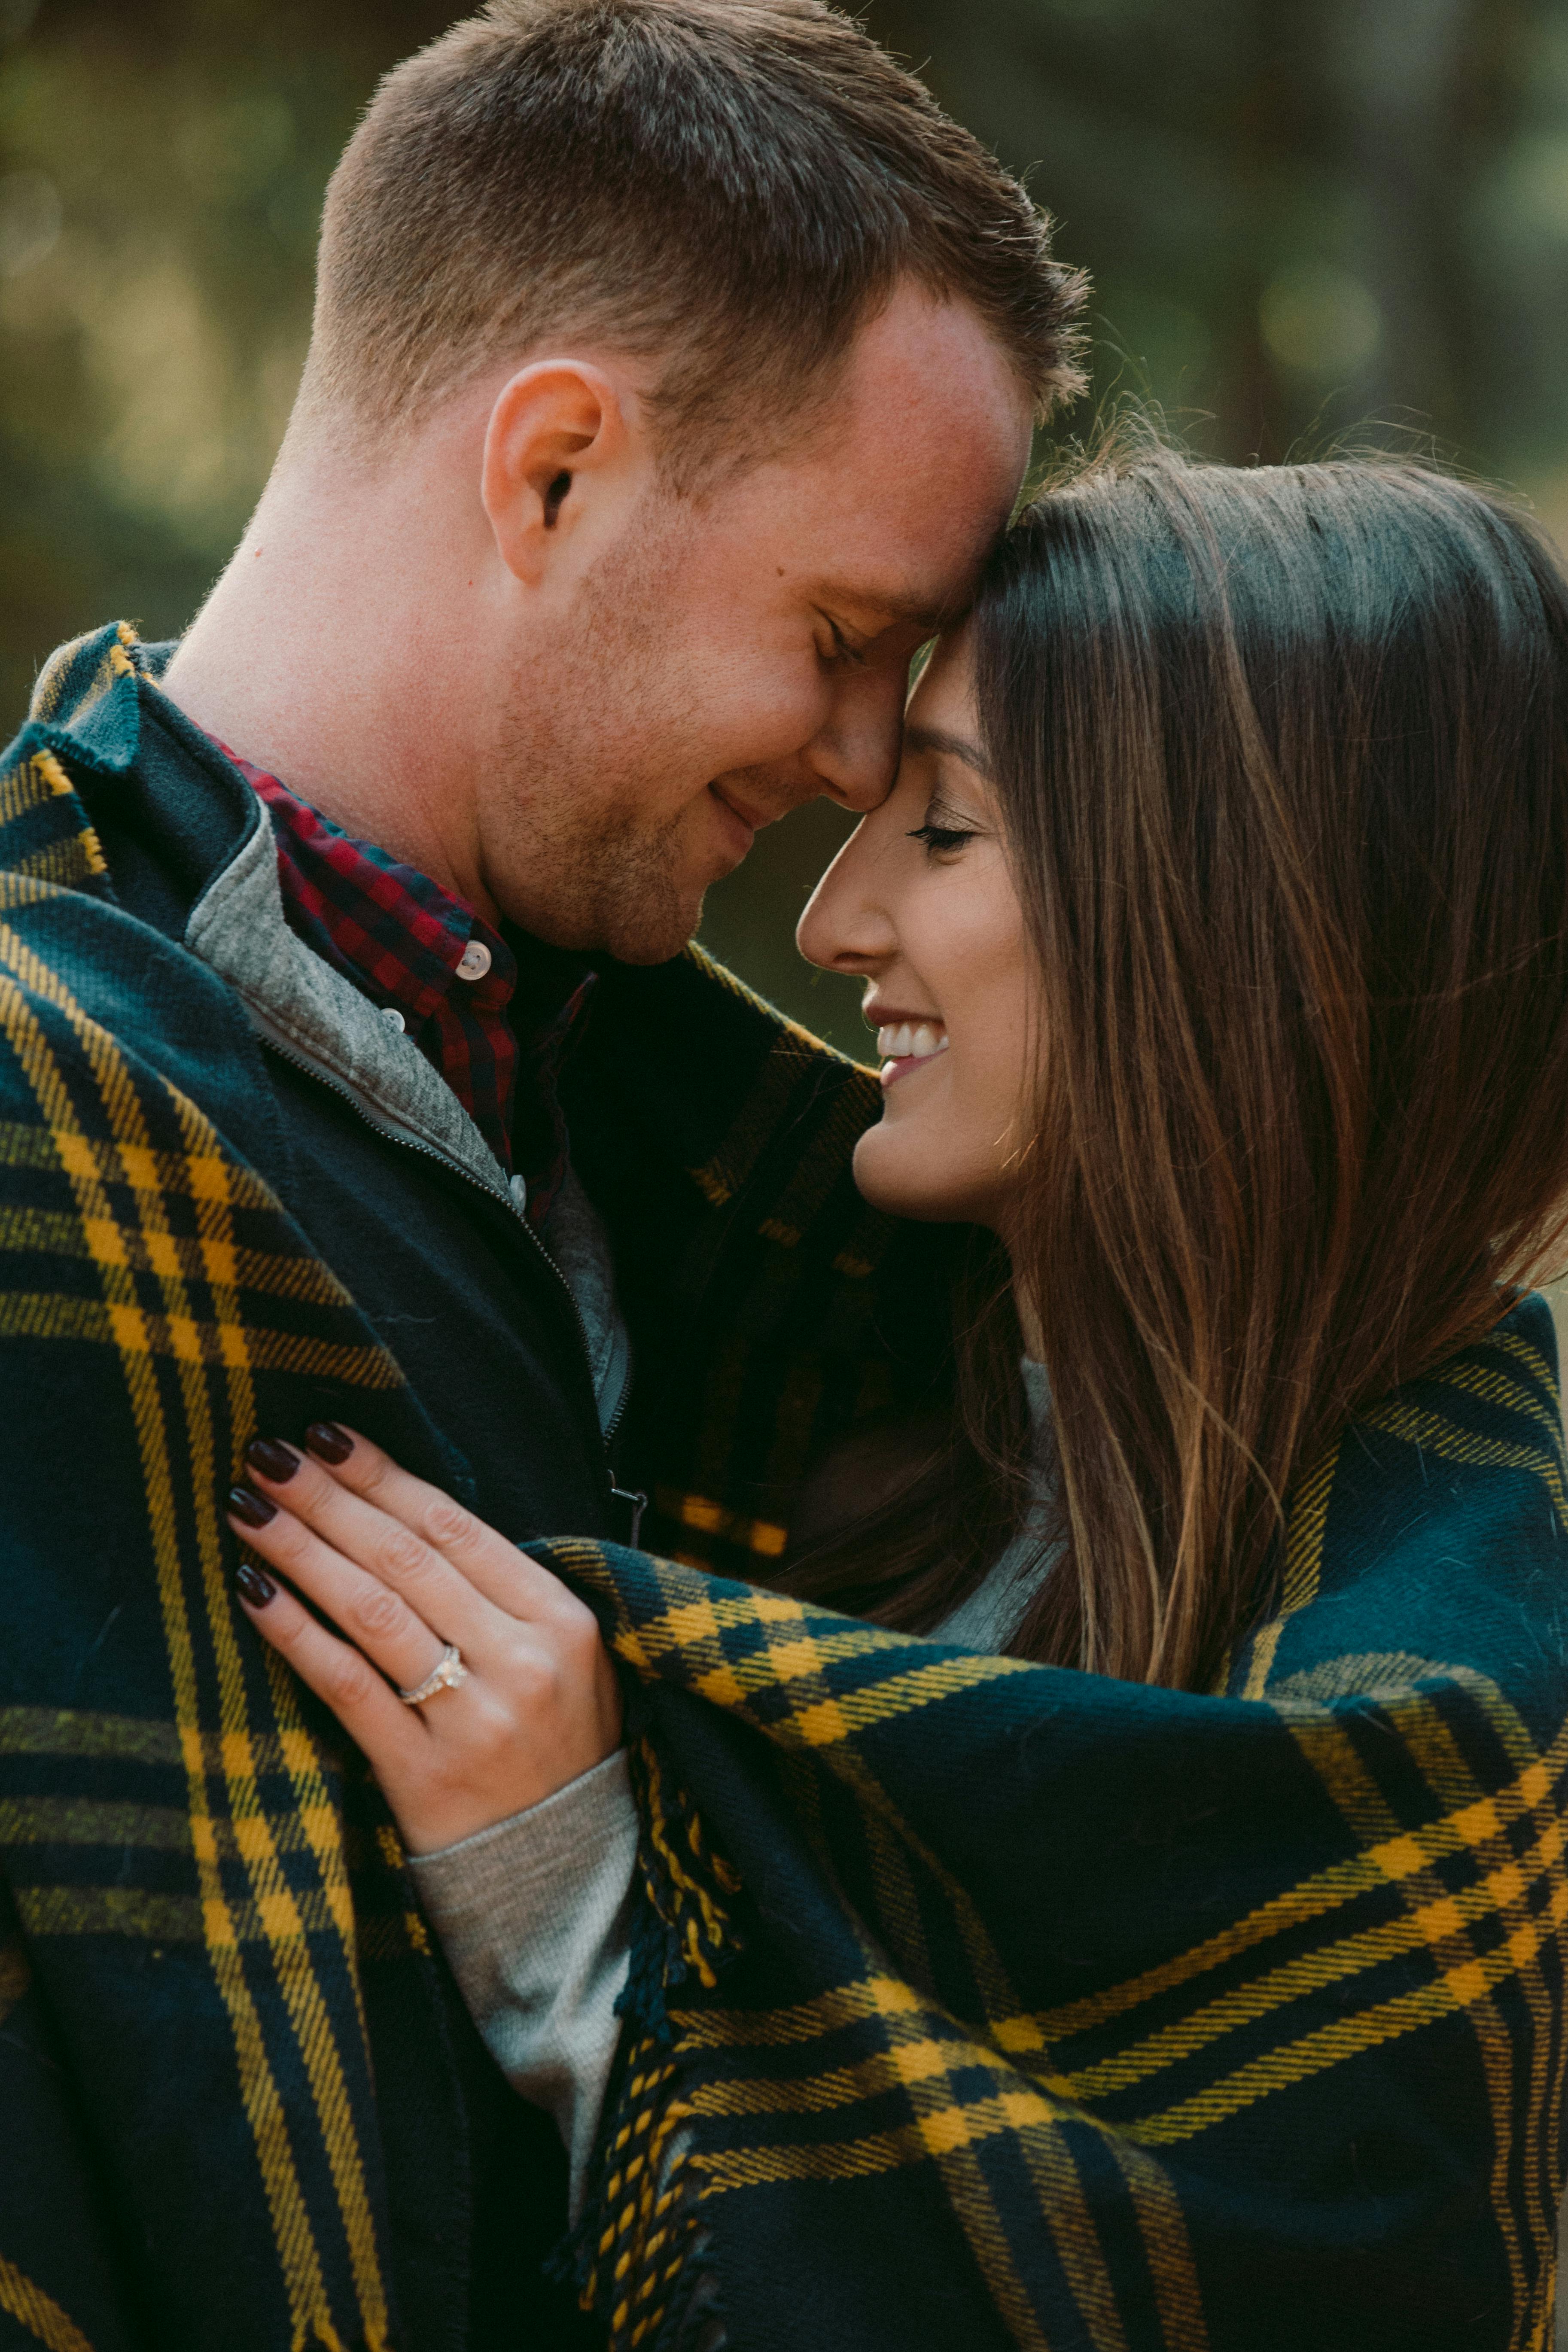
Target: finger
<point>393,1736</point>
<point>378,1620</point>
<point>380,1546</point>
<point>494,1566</point>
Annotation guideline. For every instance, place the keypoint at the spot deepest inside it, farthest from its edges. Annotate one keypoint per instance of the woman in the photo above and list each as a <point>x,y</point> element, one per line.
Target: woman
<point>1216,935</point>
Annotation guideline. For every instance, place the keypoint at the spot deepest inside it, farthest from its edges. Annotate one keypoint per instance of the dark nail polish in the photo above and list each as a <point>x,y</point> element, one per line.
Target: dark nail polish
<point>274,1460</point>
<point>328,1442</point>
<point>253,1508</point>
<point>253,1587</point>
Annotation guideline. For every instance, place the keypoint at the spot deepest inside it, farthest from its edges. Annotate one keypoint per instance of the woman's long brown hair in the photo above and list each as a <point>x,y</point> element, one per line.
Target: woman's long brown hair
<point>1282,755</point>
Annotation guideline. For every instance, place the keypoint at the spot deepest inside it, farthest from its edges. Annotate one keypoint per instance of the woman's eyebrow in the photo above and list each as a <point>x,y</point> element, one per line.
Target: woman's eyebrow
<point>956,746</point>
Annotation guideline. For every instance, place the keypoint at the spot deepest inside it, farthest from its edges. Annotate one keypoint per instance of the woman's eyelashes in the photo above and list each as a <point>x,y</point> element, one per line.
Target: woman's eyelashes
<point>943,832</point>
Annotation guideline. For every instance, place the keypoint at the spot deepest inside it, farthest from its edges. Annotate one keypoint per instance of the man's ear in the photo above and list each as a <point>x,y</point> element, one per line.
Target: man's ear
<point>554,422</point>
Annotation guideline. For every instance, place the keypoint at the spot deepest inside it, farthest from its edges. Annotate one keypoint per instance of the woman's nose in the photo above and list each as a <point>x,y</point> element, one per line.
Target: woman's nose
<point>844,928</point>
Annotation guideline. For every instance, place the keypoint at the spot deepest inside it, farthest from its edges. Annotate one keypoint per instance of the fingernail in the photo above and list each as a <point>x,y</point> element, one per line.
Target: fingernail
<point>274,1460</point>
<point>253,1587</point>
<point>328,1442</point>
<point>253,1508</point>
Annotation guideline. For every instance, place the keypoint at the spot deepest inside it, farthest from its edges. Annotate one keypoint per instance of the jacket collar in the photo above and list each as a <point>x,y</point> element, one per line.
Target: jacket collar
<point>85,704</point>
<point>85,710</point>
<point>297,1001</point>
<point>91,709</point>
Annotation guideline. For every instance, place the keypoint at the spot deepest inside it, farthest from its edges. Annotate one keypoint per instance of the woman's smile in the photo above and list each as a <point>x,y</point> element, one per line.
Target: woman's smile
<point>906,1046</point>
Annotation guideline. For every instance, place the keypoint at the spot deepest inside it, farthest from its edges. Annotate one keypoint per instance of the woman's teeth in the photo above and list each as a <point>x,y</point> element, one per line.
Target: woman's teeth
<point>910,1041</point>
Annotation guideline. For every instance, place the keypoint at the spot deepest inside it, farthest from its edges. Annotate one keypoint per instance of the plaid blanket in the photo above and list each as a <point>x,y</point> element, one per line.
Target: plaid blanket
<point>202,1924</point>
<point>979,2003</point>
<point>243,2110</point>
<point>973,2003</point>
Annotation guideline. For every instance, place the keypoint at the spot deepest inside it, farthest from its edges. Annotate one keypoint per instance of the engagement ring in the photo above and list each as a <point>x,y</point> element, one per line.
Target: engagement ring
<point>446,1674</point>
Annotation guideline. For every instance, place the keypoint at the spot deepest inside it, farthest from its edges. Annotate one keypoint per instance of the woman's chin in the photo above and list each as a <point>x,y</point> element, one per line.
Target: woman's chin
<point>906,1175</point>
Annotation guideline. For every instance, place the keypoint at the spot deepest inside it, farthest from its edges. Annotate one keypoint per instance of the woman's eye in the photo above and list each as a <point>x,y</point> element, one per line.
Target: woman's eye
<point>940,838</point>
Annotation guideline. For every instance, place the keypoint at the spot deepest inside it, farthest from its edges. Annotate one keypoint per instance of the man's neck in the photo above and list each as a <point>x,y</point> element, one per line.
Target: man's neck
<point>305,662</point>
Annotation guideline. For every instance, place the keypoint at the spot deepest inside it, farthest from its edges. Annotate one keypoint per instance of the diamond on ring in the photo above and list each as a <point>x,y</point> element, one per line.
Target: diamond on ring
<point>446,1674</point>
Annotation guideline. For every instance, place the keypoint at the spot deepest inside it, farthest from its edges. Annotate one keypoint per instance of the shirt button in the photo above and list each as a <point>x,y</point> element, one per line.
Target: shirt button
<point>474,962</point>
<point>394,1019</point>
<point>519,1191</point>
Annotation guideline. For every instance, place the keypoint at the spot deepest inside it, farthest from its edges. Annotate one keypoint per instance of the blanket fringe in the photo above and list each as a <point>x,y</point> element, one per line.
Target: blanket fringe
<point>637,2253</point>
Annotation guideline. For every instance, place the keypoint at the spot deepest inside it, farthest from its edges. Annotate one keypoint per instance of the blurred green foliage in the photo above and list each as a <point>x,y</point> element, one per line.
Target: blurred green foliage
<point>1299,214</point>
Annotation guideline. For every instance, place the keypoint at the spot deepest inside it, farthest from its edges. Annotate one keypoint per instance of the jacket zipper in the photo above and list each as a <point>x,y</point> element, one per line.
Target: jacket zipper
<point>638,1503</point>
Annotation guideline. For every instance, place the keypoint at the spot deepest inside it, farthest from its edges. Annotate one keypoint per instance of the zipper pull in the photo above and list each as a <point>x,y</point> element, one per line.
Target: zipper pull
<point>638,1506</point>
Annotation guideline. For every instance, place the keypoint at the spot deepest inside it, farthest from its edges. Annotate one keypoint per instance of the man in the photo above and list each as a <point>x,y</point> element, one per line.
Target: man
<point>674,365</point>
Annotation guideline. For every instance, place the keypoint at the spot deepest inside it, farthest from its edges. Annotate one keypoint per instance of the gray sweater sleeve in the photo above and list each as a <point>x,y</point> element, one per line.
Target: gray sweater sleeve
<point>534,1917</point>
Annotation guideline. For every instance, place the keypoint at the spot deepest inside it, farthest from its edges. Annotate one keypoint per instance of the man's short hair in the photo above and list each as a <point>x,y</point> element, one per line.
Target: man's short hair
<point>728,187</point>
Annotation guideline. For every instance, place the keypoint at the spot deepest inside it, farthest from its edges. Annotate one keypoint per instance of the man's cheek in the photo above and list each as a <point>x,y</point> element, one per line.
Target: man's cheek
<point>767,713</point>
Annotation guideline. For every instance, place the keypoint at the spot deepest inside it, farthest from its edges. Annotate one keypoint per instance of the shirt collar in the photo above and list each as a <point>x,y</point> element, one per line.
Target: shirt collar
<point>400,934</point>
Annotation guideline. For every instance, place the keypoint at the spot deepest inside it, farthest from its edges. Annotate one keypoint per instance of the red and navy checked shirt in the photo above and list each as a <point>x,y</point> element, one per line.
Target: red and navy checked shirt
<point>403,940</point>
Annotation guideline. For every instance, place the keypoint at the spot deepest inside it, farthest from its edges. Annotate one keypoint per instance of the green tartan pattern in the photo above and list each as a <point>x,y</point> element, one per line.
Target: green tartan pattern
<point>200,1894</point>
<point>1342,1878</point>
<point>1068,2140</point>
<point>148,1258</point>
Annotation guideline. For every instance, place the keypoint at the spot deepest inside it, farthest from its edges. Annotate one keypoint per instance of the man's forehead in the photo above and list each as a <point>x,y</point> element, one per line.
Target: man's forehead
<point>882,546</point>
<point>909,554</point>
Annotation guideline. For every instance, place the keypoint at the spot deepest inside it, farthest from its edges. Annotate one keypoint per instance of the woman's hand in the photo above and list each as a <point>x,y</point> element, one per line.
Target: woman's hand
<point>404,1570</point>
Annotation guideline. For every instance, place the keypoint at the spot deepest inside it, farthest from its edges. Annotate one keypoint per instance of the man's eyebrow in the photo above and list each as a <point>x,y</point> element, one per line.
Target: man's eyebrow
<point>956,746</point>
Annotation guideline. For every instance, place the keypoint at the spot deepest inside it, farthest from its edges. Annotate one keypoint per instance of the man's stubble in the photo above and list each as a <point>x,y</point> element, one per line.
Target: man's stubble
<point>589,795</point>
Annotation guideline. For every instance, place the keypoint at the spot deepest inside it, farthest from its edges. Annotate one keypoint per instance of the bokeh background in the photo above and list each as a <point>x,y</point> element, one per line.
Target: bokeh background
<point>1304,218</point>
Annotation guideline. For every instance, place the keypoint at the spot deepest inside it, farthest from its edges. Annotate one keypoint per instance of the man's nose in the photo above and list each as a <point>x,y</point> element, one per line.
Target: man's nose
<point>855,755</point>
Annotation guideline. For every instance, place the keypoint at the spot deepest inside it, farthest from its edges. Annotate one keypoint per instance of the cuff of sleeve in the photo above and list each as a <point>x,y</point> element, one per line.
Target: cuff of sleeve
<point>531,1877</point>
